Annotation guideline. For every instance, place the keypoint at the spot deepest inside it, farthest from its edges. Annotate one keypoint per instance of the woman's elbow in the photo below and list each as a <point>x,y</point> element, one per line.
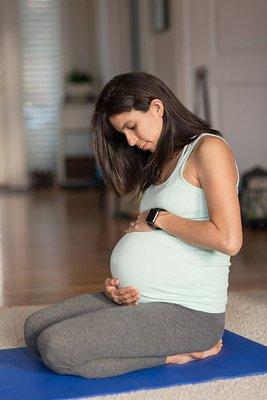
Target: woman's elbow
<point>233,247</point>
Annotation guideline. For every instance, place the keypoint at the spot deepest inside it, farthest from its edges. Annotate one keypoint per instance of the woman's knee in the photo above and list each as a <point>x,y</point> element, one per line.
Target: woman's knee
<point>56,356</point>
<point>29,328</point>
<point>54,353</point>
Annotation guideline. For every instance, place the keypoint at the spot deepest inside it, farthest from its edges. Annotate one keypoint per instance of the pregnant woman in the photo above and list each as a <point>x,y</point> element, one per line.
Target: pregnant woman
<point>166,299</point>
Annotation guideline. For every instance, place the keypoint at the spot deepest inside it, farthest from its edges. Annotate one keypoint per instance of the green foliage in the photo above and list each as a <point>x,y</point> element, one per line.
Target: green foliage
<point>76,76</point>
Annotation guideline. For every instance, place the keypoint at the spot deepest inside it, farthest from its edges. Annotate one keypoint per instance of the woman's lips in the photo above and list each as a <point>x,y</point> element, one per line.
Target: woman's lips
<point>144,147</point>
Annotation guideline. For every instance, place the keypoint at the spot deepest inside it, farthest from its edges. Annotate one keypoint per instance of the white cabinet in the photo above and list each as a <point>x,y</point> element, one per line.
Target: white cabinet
<point>76,163</point>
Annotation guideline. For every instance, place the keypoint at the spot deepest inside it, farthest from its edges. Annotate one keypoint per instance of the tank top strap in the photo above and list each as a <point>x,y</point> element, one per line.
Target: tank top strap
<point>189,148</point>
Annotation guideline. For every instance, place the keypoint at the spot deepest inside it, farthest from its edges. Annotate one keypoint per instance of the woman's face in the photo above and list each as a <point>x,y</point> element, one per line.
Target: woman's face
<point>142,129</point>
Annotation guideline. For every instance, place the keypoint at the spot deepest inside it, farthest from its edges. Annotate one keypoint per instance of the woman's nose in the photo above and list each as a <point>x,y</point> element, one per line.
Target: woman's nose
<point>131,140</point>
<point>132,143</point>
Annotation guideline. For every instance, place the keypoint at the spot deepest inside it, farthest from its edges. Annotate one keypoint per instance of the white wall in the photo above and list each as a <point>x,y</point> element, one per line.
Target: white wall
<point>162,52</point>
<point>227,37</point>
<point>113,38</point>
<point>96,37</point>
<point>79,36</point>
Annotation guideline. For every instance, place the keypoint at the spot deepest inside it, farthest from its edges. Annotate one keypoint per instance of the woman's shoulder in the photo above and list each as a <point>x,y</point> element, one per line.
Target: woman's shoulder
<point>208,143</point>
<point>214,151</point>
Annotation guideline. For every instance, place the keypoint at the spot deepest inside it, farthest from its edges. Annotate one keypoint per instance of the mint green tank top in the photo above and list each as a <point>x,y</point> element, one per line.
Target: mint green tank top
<point>163,267</point>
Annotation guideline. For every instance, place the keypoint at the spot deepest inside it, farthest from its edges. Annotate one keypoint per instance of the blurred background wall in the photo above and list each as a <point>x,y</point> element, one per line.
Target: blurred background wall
<point>104,38</point>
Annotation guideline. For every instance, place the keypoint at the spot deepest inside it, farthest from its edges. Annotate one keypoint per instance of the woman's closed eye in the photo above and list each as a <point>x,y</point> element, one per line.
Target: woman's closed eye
<point>128,127</point>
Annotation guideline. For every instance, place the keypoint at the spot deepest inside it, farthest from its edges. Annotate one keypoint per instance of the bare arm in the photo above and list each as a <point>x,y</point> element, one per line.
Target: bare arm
<point>218,177</point>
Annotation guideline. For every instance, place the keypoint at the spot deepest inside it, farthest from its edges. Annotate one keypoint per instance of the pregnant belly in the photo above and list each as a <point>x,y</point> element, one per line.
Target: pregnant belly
<point>154,264</point>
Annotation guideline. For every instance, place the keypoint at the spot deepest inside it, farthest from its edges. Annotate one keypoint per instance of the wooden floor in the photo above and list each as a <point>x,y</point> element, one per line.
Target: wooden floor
<point>56,244</point>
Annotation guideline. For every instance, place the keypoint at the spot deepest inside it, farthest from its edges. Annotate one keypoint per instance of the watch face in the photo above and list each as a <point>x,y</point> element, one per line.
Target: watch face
<point>151,217</point>
<point>148,218</point>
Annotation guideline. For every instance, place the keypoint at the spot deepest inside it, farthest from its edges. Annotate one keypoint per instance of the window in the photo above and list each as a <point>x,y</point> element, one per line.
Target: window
<point>42,83</point>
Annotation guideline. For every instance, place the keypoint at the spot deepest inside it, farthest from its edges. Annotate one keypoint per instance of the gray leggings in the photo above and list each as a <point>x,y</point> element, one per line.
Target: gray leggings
<point>91,336</point>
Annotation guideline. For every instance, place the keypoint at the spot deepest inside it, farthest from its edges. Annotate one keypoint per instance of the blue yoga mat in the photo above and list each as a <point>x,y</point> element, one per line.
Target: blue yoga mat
<point>24,376</point>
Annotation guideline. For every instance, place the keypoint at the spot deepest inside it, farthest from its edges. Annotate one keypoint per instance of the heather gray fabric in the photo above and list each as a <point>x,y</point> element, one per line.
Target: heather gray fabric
<point>91,336</point>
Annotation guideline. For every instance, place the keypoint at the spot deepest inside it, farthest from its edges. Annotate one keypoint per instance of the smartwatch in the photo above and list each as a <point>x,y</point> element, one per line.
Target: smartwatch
<point>152,216</point>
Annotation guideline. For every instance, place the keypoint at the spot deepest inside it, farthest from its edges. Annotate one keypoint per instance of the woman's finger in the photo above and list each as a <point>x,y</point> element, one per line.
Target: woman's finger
<point>126,289</point>
<point>130,297</point>
<point>111,281</point>
<point>126,296</point>
<point>126,292</point>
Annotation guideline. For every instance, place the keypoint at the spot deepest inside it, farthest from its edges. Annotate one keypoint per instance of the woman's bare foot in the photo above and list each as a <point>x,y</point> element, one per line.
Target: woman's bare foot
<point>184,358</point>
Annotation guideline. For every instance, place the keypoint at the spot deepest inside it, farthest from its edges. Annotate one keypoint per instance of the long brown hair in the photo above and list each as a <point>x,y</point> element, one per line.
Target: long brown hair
<point>127,169</point>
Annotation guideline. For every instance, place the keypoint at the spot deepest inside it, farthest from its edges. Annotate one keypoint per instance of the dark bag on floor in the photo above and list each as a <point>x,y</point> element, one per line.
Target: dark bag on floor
<point>253,198</point>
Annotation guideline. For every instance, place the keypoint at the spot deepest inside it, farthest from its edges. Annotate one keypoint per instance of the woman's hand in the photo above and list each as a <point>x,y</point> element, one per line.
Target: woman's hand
<point>125,296</point>
<point>140,224</point>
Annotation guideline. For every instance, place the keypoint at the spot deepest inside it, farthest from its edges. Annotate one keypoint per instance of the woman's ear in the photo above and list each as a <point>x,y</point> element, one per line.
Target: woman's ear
<point>157,105</point>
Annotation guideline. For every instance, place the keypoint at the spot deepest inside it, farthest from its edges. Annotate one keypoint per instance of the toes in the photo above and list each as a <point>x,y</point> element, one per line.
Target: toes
<point>207,353</point>
<point>219,349</point>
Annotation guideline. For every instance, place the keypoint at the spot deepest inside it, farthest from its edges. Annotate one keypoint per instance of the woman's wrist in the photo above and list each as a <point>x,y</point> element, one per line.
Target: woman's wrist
<point>159,223</point>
